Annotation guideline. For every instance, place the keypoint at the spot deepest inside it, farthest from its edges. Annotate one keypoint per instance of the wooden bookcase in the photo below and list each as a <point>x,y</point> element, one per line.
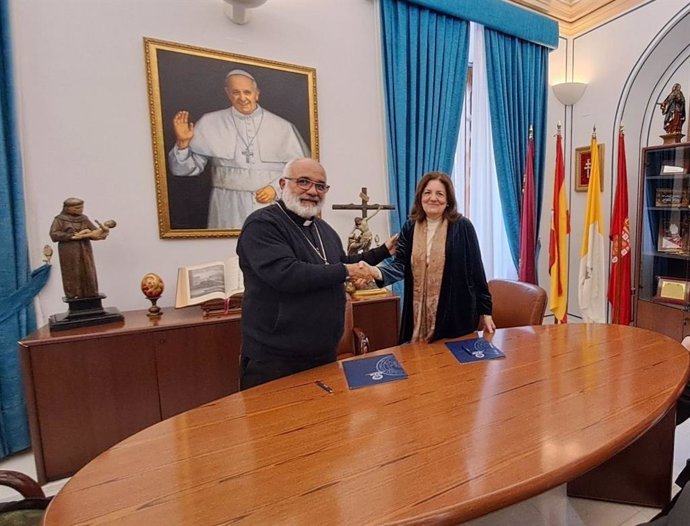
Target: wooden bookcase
<point>91,387</point>
<point>662,277</point>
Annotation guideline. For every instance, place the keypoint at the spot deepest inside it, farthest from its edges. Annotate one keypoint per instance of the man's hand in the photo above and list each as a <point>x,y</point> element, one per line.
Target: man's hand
<point>184,130</point>
<point>264,195</point>
<point>360,273</point>
<point>392,244</point>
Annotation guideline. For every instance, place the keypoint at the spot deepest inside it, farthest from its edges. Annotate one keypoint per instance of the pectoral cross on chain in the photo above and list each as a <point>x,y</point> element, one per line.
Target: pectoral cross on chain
<point>247,154</point>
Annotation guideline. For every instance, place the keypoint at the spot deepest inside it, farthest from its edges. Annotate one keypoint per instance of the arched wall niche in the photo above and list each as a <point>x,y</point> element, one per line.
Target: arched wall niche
<point>666,60</point>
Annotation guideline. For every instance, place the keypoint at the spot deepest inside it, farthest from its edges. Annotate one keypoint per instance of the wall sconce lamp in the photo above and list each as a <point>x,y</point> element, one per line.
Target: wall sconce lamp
<point>236,10</point>
<point>568,93</point>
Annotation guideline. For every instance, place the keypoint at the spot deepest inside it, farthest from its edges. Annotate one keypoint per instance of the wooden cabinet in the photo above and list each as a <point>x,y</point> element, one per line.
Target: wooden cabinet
<point>91,387</point>
<point>379,318</point>
<point>662,277</point>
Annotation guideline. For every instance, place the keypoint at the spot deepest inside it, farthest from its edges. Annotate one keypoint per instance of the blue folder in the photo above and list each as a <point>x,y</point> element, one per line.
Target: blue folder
<point>373,370</point>
<point>474,350</point>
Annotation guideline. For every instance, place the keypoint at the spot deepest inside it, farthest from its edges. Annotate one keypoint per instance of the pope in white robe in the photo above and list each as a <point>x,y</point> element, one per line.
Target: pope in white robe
<point>247,147</point>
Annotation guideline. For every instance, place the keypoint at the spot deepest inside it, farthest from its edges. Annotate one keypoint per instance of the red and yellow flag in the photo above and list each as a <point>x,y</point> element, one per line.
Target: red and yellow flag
<point>619,281</point>
<point>558,239</point>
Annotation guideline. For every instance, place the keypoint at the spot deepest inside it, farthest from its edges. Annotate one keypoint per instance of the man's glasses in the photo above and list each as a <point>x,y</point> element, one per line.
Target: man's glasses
<point>306,184</point>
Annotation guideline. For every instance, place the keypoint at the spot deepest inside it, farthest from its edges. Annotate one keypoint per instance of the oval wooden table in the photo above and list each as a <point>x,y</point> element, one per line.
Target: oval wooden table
<point>449,443</point>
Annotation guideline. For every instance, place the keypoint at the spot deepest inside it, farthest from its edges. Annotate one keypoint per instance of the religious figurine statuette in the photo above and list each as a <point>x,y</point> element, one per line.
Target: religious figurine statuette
<point>673,108</point>
<point>73,232</point>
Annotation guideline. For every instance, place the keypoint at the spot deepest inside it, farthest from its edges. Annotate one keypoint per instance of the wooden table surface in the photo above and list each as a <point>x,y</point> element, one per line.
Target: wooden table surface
<point>451,442</point>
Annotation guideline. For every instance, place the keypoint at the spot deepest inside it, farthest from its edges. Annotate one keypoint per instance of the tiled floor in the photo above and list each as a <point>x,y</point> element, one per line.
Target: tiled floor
<point>24,462</point>
<point>552,508</point>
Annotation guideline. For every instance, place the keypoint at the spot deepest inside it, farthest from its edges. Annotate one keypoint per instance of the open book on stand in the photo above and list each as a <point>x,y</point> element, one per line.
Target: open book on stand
<point>216,286</point>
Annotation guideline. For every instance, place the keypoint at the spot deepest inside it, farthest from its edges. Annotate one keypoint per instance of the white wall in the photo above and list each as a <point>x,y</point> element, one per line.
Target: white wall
<point>85,131</point>
<point>629,63</point>
<point>83,109</point>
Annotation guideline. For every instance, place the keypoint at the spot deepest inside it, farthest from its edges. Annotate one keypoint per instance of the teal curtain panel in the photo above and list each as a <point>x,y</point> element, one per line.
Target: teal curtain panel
<point>425,71</point>
<point>18,285</point>
<point>425,49</point>
<point>517,75</point>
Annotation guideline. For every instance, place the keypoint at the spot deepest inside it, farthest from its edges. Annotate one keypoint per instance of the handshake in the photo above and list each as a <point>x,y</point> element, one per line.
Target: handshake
<point>361,274</point>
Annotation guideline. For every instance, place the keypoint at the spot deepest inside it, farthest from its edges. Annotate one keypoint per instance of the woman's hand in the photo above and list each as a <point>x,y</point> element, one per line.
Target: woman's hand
<point>392,244</point>
<point>487,323</point>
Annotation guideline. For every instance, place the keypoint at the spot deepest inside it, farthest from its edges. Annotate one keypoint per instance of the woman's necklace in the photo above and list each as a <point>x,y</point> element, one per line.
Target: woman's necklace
<point>248,154</point>
<point>321,253</point>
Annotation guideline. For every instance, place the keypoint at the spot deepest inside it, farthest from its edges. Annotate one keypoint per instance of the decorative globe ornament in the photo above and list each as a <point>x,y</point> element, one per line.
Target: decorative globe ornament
<point>152,286</point>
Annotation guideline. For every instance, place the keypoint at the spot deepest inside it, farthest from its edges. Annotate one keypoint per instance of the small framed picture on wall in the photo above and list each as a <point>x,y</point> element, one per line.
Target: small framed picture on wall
<point>583,167</point>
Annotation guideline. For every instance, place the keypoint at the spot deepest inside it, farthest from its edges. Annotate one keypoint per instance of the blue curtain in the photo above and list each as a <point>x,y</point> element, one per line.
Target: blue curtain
<point>500,15</point>
<point>425,70</point>
<point>17,285</point>
<point>517,74</point>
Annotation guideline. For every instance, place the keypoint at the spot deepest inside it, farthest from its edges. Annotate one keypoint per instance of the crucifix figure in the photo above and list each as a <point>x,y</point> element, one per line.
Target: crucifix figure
<point>361,236</point>
<point>247,154</point>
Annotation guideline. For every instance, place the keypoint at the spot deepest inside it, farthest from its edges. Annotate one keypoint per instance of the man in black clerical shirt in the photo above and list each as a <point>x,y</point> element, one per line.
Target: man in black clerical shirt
<point>294,270</point>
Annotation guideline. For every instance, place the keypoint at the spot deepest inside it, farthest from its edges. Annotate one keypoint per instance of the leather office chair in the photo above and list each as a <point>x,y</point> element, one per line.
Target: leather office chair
<point>26,512</point>
<point>354,342</point>
<point>516,303</point>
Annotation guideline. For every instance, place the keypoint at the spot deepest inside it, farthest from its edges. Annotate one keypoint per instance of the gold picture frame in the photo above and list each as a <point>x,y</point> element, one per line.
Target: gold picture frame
<point>671,290</point>
<point>190,78</point>
<point>583,156</point>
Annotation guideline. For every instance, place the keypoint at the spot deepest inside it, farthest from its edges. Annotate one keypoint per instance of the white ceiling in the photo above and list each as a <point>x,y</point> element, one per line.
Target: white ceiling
<point>577,16</point>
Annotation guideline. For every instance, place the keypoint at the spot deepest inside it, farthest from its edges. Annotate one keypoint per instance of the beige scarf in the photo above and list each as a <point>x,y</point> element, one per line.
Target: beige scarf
<point>427,278</point>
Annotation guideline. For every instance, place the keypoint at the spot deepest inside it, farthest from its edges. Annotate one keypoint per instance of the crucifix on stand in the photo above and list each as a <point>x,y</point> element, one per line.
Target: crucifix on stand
<point>361,236</point>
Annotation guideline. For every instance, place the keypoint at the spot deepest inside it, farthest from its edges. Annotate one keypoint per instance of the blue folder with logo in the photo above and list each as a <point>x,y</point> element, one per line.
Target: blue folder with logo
<point>474,350</point>
<point>373,370</point>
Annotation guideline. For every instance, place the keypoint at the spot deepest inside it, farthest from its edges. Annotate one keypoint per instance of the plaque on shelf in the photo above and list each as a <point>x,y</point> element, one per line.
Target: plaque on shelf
<point>673,236</point>
<point>671,169</point>
<point>672,290</point>
<point>669,197</point>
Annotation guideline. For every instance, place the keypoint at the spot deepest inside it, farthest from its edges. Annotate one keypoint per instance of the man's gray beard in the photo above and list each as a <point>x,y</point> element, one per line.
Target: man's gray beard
<point>293,204</point>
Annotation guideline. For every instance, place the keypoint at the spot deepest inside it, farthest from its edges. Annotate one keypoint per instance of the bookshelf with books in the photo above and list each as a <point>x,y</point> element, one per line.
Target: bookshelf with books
<point>662,274</point>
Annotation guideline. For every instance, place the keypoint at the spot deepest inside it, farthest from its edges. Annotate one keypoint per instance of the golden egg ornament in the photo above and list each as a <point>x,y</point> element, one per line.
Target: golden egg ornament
<point>152,286</point>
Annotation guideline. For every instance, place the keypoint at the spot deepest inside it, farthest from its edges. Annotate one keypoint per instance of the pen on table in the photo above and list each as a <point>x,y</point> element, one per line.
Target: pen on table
<point>325,387</point>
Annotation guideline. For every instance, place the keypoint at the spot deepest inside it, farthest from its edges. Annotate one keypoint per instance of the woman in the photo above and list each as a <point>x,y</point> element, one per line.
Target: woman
<point>438,256</point>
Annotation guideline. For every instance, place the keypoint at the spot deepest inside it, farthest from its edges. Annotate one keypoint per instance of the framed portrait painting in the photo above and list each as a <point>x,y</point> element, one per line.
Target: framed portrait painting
<point>223,126</point>
<point>583,166</point>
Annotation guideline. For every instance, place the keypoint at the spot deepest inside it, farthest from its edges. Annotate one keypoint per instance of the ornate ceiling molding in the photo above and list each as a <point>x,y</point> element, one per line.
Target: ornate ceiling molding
<point>577,16</point>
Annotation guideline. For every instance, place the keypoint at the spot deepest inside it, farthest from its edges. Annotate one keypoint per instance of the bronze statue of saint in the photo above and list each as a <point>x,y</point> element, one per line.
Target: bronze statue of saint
<point>73,232</point>
<point>673,109</point>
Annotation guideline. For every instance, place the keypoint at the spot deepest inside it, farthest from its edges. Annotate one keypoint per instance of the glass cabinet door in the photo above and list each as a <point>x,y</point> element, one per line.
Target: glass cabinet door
<point>664,239</point>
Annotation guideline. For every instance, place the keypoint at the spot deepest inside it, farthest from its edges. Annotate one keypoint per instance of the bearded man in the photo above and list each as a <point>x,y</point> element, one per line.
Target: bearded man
<point>294,270</point>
